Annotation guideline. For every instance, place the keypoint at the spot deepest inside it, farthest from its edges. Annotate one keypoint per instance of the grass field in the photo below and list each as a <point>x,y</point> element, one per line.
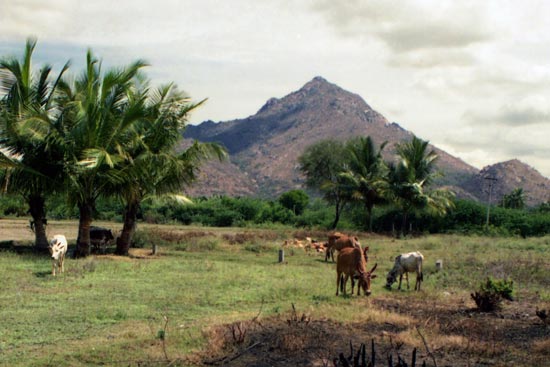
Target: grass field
<point>195,301</point>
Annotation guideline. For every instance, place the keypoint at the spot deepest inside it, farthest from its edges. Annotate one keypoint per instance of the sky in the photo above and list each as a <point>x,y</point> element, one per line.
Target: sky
<point>472,77</point>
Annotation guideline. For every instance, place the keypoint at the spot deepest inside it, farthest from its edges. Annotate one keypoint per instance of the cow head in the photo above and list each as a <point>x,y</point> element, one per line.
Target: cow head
<point>391,278</point>
<point>56,249</point>
<point>365,280</point>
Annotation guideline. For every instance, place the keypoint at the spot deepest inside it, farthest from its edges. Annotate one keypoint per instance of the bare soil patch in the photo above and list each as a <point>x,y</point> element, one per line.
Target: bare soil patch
<point>455,333</point>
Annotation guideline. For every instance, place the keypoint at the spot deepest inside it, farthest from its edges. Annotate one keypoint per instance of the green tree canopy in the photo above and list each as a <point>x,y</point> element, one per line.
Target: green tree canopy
<point>154,167</point>
<point>514,200</point>
<point>294,200</point>
<point>98,130</point>
<point>322,163</point>
<point>365,177</point>
<point>409,179</point>
<point>30,165</point>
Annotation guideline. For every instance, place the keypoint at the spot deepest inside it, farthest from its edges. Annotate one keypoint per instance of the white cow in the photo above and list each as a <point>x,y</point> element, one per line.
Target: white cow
<point>404,264</point>
<point>58,250</point>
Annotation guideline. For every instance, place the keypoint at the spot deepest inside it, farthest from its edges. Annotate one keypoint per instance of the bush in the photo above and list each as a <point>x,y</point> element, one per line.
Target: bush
<point>13,206</point>
<point>491,293</point>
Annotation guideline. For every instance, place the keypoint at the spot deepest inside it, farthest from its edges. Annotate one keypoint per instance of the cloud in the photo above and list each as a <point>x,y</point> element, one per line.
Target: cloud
<point>485,144</point>
<point>439,35</point>
<point>408,27</point>
<point>21,19</point>
<point>432,58</point>
<point>532,111</point>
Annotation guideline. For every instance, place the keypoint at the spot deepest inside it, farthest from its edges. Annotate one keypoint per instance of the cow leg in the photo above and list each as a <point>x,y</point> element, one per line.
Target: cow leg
<point>346,276</point>
<point>400,280</point>
<point>407,277</point>
<point>338,282</point>
<point>53,268</point>
<point>62,263</point>
<point>352,284</point>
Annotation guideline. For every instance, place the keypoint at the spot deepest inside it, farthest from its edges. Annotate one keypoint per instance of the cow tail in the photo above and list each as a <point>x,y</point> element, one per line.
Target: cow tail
<point>342,283</point>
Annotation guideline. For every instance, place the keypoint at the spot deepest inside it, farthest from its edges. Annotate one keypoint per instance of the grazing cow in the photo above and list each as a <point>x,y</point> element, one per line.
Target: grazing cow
<point>58,250</point>
<point>338,241</point>
<point>99,239</point>
<point>351,263</point>
<point>404,264</point>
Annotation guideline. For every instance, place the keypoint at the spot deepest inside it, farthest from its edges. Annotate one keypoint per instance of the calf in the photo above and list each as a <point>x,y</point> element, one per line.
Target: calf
<point>338,241</point>
<point>351,263</point>
<point>99,239</point>
<point>58,249</point>
<point>404,264</point>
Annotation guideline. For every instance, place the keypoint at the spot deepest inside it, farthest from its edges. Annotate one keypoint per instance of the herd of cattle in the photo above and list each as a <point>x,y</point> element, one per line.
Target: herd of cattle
<point>351,262</point>
<point>352,259</point>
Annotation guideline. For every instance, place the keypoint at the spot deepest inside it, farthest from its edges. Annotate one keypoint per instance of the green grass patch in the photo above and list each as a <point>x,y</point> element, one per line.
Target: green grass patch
<point>109,310</point>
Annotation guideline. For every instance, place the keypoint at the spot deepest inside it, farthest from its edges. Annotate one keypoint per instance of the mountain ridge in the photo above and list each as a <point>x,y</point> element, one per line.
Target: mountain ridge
<point>264,147</point>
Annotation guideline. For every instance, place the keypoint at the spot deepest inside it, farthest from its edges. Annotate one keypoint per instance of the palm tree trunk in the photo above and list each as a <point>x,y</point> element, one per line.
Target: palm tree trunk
<point>404,223</point>
<point>38,214</point>
<point>369,208</point>
<point>337,212</point>
<point>85,222</point>
<point>128,229</point>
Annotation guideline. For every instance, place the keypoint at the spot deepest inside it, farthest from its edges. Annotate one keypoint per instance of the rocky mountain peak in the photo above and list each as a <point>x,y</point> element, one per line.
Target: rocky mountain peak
<point>507,176</point>
<point>264,148</point>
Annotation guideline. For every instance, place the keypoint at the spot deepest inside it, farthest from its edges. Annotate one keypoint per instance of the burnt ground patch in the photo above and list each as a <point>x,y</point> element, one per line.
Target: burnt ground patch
<point>449,332</point>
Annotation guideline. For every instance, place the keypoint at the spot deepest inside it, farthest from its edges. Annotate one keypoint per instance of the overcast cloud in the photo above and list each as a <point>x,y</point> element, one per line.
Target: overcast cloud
<point>473,77</point>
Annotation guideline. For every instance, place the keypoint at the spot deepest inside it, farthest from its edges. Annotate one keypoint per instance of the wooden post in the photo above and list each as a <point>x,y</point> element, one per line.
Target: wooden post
<point>439,265</point>
<point>155,249</point>
<point>281,255</point>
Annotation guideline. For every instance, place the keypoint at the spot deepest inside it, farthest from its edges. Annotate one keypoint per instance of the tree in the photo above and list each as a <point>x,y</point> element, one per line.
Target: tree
<point>514,200</point>
<point>32,166</point>
<point>155,168</point>
<point>366,172</point>
<point>294,200</point>
<point>98,128</point>
<point>322,164</point>
<point>410,177</point>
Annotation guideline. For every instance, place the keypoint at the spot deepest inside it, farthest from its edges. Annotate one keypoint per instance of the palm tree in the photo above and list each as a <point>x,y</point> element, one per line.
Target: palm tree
<point>155,168</point>
<point>409,178</point>
<point>514,200</point>
<point>98,127</point>
<point>365,174</point>
<point>32,166</point>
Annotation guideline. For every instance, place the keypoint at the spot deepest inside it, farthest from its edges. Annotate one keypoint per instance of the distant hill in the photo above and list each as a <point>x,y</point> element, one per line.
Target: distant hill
<point>505,177</point>
<point>264,147</point>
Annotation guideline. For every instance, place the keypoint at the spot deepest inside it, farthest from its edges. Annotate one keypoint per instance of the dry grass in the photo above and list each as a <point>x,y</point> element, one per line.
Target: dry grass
<point>223,299</point>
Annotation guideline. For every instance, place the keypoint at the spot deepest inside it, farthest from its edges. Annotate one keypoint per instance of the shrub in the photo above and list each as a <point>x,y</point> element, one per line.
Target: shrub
<point>491,293</point>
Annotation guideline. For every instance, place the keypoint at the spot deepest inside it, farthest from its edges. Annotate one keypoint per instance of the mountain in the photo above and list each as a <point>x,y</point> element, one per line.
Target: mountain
<point>264,147</point>
<point>505,177</point>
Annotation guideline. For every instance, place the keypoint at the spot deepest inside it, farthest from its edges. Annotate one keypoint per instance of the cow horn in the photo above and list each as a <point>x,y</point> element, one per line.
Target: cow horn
<point>373,268</point>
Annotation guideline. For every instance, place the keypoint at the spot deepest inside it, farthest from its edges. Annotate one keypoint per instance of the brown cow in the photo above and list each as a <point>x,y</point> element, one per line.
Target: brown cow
<point>338,241</point>
<point>351,263</point>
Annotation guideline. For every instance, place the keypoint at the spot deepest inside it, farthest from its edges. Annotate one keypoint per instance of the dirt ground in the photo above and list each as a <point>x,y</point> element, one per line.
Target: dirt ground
<point>444,334</point>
